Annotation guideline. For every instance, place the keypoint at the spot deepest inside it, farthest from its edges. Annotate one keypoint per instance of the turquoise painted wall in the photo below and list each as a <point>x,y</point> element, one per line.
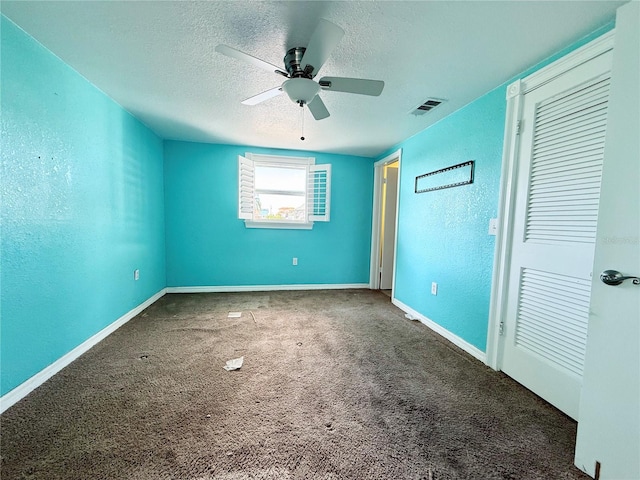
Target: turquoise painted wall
<point>82,207</point>
<point>443,235</point>
<point>208,246</point>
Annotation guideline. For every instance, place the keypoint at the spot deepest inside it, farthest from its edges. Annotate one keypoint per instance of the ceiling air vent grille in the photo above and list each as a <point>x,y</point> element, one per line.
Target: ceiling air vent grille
<point>427,106</point>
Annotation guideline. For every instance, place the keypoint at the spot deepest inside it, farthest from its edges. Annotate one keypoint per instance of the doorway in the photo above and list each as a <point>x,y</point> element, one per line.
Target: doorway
<point>385,218</point>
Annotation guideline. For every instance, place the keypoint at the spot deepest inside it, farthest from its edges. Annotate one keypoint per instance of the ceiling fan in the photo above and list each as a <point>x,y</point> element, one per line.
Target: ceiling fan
<point>301,66</point>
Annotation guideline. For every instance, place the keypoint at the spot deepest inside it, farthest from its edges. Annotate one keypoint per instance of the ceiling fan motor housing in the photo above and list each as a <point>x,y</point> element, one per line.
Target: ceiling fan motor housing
<point>292,61</point>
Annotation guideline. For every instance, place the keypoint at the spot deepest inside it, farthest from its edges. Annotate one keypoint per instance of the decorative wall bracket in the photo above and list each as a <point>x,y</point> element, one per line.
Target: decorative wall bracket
<point>453,176</point>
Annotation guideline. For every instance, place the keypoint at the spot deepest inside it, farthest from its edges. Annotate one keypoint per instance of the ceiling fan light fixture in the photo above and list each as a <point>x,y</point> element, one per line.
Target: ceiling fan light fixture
<point>301,90</point>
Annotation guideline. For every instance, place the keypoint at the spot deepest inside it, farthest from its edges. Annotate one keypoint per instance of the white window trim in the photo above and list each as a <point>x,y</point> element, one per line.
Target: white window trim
<point>278,160</point>
<point>246,180</point>
<point>278,225</point>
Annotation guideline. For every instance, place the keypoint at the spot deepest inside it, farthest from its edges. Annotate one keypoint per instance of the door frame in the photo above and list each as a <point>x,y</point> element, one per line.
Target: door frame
<point>504,236</point>
<point>376,222</point>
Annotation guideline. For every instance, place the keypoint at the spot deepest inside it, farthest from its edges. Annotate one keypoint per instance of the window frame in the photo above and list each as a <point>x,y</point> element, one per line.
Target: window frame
<point>317,190</point>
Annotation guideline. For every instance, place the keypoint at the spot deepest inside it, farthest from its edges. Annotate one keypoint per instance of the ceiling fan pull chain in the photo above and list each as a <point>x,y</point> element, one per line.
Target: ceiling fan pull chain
<point>302,120</point>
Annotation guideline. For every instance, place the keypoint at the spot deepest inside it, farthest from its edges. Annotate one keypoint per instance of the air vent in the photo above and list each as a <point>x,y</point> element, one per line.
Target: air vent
<point>427,106</point>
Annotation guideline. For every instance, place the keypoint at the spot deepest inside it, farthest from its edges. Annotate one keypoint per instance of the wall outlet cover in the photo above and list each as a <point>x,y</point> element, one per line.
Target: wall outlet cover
<point>434,288</point>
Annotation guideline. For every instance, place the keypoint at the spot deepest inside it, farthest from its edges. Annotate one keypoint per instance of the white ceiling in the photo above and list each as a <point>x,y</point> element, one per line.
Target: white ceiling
<point>157,60</point>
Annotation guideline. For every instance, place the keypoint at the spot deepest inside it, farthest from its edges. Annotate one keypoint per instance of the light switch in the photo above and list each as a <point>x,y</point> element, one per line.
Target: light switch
<point>493,226</point>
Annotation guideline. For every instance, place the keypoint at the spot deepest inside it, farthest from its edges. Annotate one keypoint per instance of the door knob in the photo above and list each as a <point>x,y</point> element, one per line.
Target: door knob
<point>613,277</point>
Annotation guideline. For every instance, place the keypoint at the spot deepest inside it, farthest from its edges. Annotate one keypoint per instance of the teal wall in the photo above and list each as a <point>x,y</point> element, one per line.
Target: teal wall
<point>208,246</point>
<point>443,235</point>
<point>81,208</point>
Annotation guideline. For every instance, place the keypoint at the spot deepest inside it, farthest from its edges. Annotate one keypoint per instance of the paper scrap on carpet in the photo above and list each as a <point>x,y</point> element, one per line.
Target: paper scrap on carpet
<point>234,364</point>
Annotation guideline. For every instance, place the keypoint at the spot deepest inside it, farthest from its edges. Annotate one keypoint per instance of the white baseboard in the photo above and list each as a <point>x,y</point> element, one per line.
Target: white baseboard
<point>11,398</point>
<point>265,288</point>
<point>453,338</point>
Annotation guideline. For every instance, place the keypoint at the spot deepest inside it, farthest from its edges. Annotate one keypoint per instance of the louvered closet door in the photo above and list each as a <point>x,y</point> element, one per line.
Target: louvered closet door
<point>556,211</point>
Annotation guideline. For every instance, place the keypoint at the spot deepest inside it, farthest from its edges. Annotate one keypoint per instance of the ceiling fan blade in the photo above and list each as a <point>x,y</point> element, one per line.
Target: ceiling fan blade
<point>261,97</point>
<point>352,85</point>
<point>318,109</point>
<point>323,40</point>
<point>245,57</point>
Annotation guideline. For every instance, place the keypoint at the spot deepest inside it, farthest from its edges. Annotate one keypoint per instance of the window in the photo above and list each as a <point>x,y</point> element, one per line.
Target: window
<point>282,192</point>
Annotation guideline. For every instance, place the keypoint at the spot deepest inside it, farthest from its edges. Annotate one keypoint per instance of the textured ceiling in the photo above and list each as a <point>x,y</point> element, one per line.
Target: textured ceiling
<point>157,59</point>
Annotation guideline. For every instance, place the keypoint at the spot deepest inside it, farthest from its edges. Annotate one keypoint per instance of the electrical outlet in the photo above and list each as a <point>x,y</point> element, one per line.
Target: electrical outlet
<point>434,288</point>
<point>136,274</point>
<point>295,260</point>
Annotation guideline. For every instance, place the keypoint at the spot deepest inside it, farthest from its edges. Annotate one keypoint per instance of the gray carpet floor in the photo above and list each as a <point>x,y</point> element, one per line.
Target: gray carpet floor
<point>334,385</point>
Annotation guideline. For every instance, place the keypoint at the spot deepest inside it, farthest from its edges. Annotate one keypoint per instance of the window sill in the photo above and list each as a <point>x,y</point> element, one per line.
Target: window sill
<point>279,225</point>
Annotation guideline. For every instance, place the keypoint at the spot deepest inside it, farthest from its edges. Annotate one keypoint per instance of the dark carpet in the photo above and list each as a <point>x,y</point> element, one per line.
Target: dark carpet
<point>335,385</point>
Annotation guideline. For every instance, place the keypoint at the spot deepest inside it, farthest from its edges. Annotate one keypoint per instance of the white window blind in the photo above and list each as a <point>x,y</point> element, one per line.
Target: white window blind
<point>319,192</point>
<point>245,188</point>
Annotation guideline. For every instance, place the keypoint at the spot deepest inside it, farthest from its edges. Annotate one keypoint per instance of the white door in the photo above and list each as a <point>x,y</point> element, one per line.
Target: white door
<point>559,165</point>
<point>388,235</point>
<point>609,420</point>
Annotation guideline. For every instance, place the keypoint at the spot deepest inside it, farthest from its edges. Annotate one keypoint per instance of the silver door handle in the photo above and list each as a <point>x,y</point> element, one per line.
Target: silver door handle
<point>614,277</point>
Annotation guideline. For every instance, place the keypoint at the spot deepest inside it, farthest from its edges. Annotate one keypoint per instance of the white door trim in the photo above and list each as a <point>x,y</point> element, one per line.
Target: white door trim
<point>502,260</point>
<point>378,177</point>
